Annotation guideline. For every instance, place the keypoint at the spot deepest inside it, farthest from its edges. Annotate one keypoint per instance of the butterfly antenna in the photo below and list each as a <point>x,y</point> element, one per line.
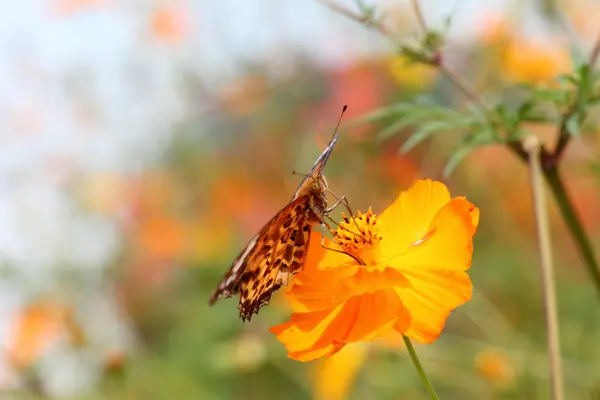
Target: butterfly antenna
<point>337,126</point>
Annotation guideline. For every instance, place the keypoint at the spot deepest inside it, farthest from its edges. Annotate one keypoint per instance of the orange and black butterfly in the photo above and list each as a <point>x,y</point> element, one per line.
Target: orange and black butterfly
<point>279,249</point>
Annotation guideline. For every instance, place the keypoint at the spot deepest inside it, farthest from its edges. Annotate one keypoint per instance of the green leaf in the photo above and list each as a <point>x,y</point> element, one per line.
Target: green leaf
<point>595,167</point>
<point>392,129</point>
<point>456,158</point>
<point>573,125</point>
<point>471,141</point>
<point>524,110</point>
<point>412,118</point>
<point>577,57</point>
<point>433,40</point>
<point>384,113</point>
<point>559,97</point>
<point>583,71</point>
<point>594,100</point>
<point>415,55</point>
<point>566,80</point>
<point>420,135</point>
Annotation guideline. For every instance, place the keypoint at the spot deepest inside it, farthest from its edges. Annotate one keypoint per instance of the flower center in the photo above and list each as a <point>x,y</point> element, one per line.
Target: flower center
<point>359,236</point>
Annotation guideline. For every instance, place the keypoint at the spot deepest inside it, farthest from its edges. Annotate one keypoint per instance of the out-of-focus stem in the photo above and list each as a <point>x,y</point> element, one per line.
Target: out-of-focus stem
<point>573,222</point>
<point>532,146</point>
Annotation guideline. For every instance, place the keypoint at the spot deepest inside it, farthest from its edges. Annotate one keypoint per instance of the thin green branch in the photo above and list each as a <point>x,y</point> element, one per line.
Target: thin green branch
<point>457,80</point>
<point>564,134</point>
<point>532,145</point>
<point>419,13</point>
<point>353,15</point>
<point>415,359</point>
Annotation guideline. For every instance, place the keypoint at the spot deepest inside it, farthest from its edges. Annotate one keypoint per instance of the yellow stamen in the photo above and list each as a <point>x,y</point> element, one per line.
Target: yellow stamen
<point>358,236</point>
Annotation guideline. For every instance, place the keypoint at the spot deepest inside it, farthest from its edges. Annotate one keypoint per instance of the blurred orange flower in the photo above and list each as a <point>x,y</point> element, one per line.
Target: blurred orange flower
<point>169,24</point>
<point>115,360</point>
<point>535,62</point>
<point>160,237</point>
<point>67,7</point>
<point>518,57</point>
<point>495,366</point>
<point>406,272</point>
<point>38,328</point>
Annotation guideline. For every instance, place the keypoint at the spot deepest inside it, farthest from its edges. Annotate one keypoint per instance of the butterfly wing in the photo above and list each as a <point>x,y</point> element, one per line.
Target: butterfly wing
<point>270,258</point>
<point>228,285</point>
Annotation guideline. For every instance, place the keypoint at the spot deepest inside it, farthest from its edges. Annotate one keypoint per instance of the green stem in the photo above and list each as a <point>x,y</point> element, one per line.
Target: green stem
<point>419,367</point>
<point>569,215</point>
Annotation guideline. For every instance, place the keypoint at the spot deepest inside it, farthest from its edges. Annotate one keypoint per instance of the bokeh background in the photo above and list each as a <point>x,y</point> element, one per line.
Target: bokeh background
<point>144,142</point>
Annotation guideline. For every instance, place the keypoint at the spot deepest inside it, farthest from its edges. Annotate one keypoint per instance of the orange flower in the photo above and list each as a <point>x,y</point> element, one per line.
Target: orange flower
<point>535,62</point>
<point>38,328</point>
<point>406,271</point>
<point>68,7</point>
<point>170,24</point>
<point>160,237</point>
<point>495,366</point>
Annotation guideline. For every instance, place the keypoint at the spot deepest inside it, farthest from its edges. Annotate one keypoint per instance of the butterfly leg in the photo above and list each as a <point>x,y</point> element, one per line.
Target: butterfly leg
<point>340,200</point>
<point>343,200</point>
<point>333,207</point>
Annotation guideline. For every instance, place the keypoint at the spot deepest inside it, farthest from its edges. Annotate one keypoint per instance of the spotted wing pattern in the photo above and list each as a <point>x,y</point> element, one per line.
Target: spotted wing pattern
<point>271,257</point>
<point>278,251</point>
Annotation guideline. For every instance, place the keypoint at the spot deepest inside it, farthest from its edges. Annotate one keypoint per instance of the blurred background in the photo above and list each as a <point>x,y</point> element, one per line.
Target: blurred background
<point>144,142</point>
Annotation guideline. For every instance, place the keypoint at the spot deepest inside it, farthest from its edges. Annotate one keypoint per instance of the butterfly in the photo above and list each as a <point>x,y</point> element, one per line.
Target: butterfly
<point>279,249</point>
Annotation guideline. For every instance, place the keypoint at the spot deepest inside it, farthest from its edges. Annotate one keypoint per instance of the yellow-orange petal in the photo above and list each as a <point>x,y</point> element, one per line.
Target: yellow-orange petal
<point>448,243</point>
<point>433,294</point>
<point>296,338</point>
<point>315,250</point>
<point>308,336</point>
<point>320,255</point>
<point>321,289</point>
<point>407,219</point>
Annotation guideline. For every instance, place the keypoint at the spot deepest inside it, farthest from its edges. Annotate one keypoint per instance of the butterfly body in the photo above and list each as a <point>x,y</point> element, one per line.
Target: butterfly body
<point>279,249</point>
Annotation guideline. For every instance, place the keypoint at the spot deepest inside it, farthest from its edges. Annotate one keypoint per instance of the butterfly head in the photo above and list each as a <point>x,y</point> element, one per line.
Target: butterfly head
<point>314,181</point>
<point>312,185</point>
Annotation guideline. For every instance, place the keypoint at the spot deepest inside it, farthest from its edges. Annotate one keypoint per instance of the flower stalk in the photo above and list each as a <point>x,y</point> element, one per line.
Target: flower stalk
<point>415,359</point>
